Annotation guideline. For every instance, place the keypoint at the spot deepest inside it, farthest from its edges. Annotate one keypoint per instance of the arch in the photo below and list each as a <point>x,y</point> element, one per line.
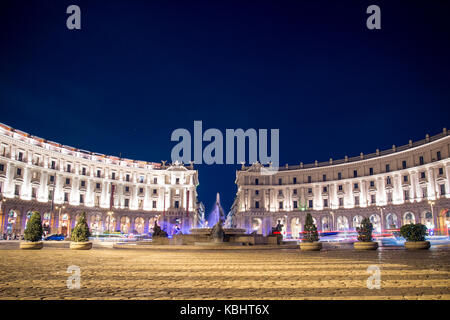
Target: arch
<point>283,222</point>
<point>391,221</point>
<point>151,223</point>
<point>65,223</point>
<point>326,223</point>
<point>342,223</point>
<point>296,228</point>
<point>408,218</point>
<point>139,224</point>
<point>96,225</point>
<point>27,217</point>
<point>13,221</point>
<point>426,218</point>
<point>110,223</point>
<point>376,222</point>
<point>125,224</point>
<point>444,222</point>
<point>356,221</point>
<point>46,220</point>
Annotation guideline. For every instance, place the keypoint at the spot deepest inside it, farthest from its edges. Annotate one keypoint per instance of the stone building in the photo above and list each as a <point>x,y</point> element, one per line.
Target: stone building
<point>117,194</point>
<point>392,187</point>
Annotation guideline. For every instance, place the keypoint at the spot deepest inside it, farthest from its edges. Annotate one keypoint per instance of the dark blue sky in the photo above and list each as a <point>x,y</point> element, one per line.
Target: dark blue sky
<point>137,70</point>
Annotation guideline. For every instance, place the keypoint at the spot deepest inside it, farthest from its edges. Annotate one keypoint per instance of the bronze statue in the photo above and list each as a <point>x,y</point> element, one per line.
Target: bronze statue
<point>158,232</point>
<point>217,233</point>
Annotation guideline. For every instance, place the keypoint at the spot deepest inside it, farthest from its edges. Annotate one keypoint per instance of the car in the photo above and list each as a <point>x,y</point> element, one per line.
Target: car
<point>55,237</point>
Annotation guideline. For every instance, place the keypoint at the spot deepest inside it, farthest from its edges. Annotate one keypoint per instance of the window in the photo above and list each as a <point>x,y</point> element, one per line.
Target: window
<point>325,189</point>
<point>372,184</point>
<point>69,168</point>
<point>280,181</point>
<point>339,176</point>
<point>177,181</point>
<point>405,178</point>
<point>441,171</point>
<point>141,179</point>
<point>66,196</point>
<point>256,181</point>
<point>16,190</point>
<point>295,191</point>
<point>422,175</point>
<point>424,192</point>
<point>113,176</point>
<point>256,204</point>
<point>438,154</point>
<point>324,177</point>
<point>81,198</point>
<point>294,180</point>
<point>256,192</point>
<point>280,192</point>
<point>309,179</point>
<point>67,181</point>
<point>127,177</point>
<point>155,180</point>
<point>355,173</point>
<point>155,191</point>
<point>97,185</point>
<point>2,167</point>
<point>404,164</point>
<point>310,203</point>
<point>53,165</point>
<point>341,202</point>
<point>83,171</point>
<point>421,160</point>
<point>388,180</point>
<point>127,202</point>
<point>371,171</point>
<point>19,172</point>
<point>50,195</point>
<point>154,205</point>
<point>340,187</point>
<point>373,199</point>
<point>406,194</point>
<point>295,205</point>
<point>388,168</point>
<point>442,189</point>
<point>33,193</point>
<point>356,201</point>
<point>99,174</point>
<point>83,183</point>
<point>355,186</point>
<point>310,190</point>
<point>20,157</point>
<point>325,203</point>
<point>280,205</point>
<point>177,204</point>
<point>127,189</point>
<point>389,197</point>
<point>141,190</point>
<point>52,178</point>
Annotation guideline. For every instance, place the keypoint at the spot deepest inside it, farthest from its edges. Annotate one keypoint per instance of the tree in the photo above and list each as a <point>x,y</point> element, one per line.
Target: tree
<point>365,230</point>
<point>33,231</point>
<point>311,234</point>
<point>81,231</point>
<point>413,232</point>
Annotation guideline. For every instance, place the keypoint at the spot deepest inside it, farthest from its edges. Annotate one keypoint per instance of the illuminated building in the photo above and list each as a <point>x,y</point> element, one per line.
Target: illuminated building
<point>392,187</point>
<point>117,194</point>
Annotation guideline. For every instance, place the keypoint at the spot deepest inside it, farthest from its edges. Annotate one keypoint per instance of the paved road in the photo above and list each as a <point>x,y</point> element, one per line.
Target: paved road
<point>272,274</point>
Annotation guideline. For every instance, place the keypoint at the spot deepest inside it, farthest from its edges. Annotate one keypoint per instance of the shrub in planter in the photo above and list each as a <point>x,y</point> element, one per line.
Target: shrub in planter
<point>311,236</point>
<point>33,233</point>
<point>80,235</point>
<point>415,236</point>
<point>365,236</point>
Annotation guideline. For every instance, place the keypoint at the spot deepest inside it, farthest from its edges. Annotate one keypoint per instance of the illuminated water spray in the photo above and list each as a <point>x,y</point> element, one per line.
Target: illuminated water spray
<point>216,213</point>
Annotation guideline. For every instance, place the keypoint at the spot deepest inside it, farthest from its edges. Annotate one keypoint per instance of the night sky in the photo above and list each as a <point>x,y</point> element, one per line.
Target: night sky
<point>137,70</point>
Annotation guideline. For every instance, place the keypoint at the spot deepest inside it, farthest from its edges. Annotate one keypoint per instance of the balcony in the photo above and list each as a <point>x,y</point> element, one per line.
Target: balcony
<point>36,179</point>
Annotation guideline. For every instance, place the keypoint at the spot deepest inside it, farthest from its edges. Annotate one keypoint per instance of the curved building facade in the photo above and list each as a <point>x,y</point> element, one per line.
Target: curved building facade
<point>391,187</point>
<point>117,194</point>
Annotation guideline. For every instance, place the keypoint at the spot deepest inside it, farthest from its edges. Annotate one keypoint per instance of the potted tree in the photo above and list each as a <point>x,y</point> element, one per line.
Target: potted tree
<point>415,236</point>
<point>33,233</point>
<point>311,238</point>
<point>365,236</point>
<point>80,235</point>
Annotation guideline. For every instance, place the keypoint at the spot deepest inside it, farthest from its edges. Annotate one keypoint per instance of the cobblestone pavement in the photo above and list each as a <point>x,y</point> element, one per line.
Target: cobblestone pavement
<point>262,274</point>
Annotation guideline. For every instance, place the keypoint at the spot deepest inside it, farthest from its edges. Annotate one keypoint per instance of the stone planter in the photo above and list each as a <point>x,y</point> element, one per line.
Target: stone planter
<point>80,245</point>
<point>311,246</point>
<point>28,245</point>
<point>361,245</point>
<point>417,245</point>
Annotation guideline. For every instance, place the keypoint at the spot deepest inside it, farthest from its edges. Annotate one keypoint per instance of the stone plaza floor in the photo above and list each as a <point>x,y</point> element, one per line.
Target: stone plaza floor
<point>204,274</point>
